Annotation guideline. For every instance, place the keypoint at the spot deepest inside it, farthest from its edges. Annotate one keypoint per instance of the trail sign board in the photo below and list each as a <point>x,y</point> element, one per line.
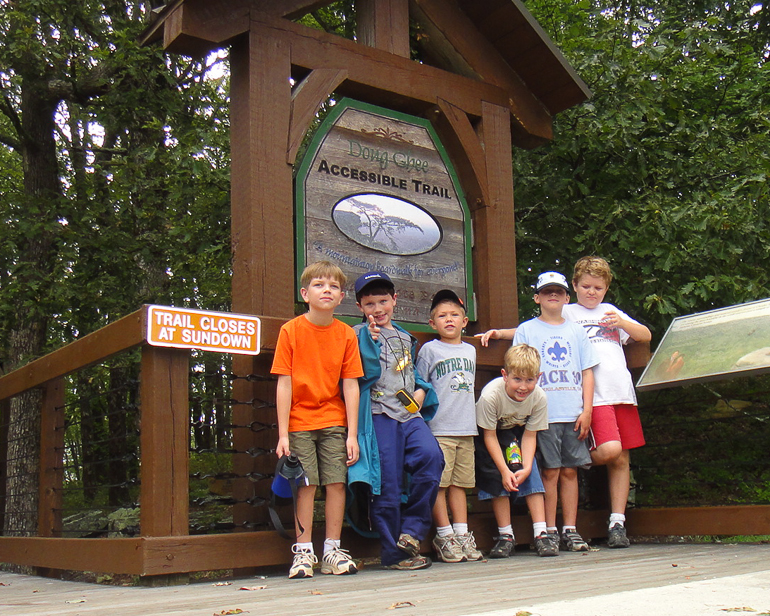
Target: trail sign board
<point>708,346</point>
<point>377,191</point>
<point>221,332</point>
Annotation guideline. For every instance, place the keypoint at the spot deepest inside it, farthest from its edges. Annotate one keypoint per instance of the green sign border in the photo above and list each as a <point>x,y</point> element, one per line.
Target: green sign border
<point>304,168</point>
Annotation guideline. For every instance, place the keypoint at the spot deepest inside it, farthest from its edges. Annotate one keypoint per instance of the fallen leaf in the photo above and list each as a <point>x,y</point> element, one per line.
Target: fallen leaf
<point>237,610</point>
<point>401,604</point>
<point>316,592</point>
<point>674,565</point>
<point>522,613</point>
<point>738,609</point>
<point>76,601</point>
<point>252,587</point>
<point>223,584</point>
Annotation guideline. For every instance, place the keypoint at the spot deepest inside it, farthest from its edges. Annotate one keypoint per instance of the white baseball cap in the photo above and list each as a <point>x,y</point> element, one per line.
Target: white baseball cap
<point>548,279</point>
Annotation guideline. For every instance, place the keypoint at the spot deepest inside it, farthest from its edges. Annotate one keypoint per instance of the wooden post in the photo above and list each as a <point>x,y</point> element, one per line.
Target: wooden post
<point>5,418</point>
<point>384,24</point>
<point>262,187</point>
<point>262,234</point>
<point>165,442</point>
<point>495,245</point>
<point>51,465</point>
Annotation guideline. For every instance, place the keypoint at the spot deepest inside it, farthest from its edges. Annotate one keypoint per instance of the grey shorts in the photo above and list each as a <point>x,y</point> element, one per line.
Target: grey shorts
<point>559,447</point>
<point>323,454</point>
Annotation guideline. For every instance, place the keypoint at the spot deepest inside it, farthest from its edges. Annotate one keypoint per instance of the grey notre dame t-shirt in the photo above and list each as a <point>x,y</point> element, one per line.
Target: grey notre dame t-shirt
<point>397,372</point>
<point>451,369</point>
<point>496,409</point>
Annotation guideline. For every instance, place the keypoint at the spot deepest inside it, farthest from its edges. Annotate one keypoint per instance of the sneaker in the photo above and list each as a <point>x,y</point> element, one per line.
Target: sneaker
<point>573,542</point>
<point>412,564</point>
<point>408,544</point>
<point>448,549</point>
<point>302,566</point>
<point>468,544</point>
<point>338,562</point>
<point>618,538</point>
<point>503,547</point>
<point>547,545</point>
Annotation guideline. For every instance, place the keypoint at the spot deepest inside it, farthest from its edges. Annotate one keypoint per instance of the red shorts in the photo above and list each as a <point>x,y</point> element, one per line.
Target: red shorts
<point>617,422</point>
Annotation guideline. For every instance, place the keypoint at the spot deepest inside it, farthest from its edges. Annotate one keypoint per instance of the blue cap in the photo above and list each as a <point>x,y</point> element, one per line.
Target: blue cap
<point>369,277</point>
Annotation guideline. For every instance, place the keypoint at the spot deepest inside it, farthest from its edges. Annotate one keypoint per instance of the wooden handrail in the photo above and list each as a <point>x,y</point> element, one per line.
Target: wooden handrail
<point>123,334</point>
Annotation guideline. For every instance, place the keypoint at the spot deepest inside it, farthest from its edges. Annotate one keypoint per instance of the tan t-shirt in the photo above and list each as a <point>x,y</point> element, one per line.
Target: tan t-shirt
<point>496,409</point>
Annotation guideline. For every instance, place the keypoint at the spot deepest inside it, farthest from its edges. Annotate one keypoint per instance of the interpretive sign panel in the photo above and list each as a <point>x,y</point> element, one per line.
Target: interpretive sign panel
<point>718,344</point>
<point>376,191</point>
<point>222,332</point>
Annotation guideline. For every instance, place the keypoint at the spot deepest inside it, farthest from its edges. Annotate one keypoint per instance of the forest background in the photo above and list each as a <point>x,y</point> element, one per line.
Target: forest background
<point>115,191</point>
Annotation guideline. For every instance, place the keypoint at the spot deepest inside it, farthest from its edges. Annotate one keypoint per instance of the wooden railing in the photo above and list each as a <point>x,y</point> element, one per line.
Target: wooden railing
<point>164,547</point>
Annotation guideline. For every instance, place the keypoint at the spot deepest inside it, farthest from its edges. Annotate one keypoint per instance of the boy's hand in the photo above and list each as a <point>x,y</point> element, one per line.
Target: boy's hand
<point>485,337</point>
<point>374,331</point>
<point>509,481</point>
<point>611,319</point>
<point>353,451</point>
<point>521,475</point>
<point>282,448</point>
<point>583,424</point>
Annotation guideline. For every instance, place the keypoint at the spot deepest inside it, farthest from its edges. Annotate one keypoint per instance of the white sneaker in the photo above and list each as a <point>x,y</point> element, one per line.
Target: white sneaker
<point>468,544</point>
<point>304,559</point>
<point>338,562</point>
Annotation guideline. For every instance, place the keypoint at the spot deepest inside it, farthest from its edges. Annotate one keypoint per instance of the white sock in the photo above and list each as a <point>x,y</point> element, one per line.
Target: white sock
<point>305,547</point>
<point>552,530</point>
<point>505,530</point>
<point>564,529</point>
<point>617,518</point>
<point>331,544</point>
<point>444,531</point>
<point>460,529</point>
<point>538,528</point>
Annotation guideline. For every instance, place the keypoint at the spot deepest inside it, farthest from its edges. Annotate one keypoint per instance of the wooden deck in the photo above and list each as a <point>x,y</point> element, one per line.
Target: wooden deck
<point>680,579</point>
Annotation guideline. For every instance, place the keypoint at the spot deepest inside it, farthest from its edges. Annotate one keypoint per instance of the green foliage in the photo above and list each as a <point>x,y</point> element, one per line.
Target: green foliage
<point>705,445</point>
<point>664,171</point>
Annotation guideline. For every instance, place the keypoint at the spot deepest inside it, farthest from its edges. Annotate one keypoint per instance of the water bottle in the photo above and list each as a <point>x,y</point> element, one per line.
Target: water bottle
<point>513,456</point>
<point>290,470</point>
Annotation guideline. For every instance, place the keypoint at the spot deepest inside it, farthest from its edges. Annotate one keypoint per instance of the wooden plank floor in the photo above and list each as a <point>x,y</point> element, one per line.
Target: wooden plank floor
<point>656,579</point>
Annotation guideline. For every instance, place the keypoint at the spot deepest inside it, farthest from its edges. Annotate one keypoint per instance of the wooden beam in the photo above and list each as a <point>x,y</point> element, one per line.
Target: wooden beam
<point>100,555</point>
<point>165,442</point>
<point>169,555</point>
<point>376,76</point>
<point>384,24</point>
<point>124,334</point>
<point>290,9</point>
<point>444,20</point>
<point>195,27</point>
<point>306,99</point>
<point>463,143</point>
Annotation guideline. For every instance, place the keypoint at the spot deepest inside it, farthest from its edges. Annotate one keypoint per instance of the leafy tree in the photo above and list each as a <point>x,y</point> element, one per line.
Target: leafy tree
<point>664,172</point>
<point>117,191</point>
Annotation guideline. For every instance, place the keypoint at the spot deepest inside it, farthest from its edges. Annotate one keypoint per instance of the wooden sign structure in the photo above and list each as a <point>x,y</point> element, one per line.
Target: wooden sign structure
<point>489,78</point>
<point>376,191</point>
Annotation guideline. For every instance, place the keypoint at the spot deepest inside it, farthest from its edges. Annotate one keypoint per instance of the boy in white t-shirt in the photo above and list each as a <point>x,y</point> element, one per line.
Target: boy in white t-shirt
<point>615,420</point>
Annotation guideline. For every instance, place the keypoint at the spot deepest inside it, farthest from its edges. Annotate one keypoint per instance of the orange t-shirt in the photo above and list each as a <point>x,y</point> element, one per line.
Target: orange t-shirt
<point>316,358</point>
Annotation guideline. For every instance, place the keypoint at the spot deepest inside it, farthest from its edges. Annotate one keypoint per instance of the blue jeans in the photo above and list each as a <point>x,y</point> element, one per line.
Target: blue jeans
<point>407,447</point>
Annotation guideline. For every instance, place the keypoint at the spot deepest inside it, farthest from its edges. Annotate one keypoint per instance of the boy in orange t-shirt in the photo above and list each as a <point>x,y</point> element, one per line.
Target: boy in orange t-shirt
<point>314,352</point>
